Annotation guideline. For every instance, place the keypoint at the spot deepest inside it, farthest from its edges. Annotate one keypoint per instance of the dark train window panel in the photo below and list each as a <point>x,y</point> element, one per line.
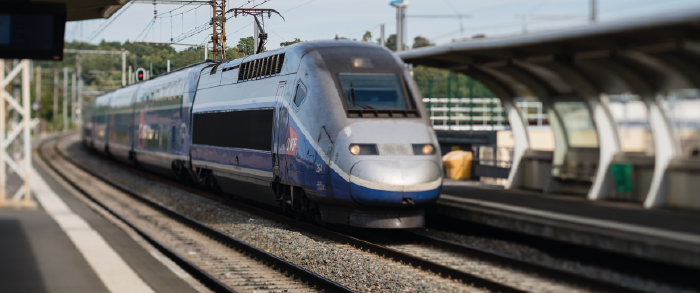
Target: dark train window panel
<point>300,95</point>
<point>246,129</point>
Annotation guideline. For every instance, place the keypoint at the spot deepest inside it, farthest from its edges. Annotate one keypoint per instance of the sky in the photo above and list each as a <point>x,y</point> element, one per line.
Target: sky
<point>324,19</point>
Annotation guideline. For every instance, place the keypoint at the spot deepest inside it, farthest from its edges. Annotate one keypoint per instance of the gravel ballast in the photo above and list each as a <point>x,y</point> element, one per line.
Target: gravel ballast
<point>353,268</point>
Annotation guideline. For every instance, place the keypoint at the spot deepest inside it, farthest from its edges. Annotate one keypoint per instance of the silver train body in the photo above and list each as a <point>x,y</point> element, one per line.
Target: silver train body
<point>335,130</point>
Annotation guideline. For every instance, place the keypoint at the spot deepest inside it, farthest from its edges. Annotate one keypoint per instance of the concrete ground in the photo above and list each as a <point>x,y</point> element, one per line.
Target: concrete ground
<point>36,255</point>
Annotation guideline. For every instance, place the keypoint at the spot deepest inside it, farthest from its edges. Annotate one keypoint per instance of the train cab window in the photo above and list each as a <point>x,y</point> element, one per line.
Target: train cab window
<point>373,91</point>
<point>300,94</point>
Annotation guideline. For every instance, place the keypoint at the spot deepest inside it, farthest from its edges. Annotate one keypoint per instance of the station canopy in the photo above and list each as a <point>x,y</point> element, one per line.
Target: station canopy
<point>671,37</point>
<point>90,9</point>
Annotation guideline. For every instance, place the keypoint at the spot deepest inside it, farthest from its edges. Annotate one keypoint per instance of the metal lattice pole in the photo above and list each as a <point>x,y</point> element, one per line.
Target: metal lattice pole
<point>3,178</point>
<point>22,197</point>
<point>218,23</point>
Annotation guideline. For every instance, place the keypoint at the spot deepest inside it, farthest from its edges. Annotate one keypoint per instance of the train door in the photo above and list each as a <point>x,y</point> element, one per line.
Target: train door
<point>281,123</point>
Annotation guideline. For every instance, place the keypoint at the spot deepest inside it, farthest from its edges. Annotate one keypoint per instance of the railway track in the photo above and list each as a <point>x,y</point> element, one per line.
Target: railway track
<point>219,261</point>
<point>450,260</point>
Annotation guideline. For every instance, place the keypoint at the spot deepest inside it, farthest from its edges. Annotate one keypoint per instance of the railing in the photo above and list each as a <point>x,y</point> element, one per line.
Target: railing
<point>485,114</point>
<point>492,164</point>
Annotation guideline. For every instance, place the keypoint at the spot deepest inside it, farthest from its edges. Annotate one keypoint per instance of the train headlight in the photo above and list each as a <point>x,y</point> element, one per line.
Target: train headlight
<point>363,149</point>
<point>355,149</point>
<point>423,149</point>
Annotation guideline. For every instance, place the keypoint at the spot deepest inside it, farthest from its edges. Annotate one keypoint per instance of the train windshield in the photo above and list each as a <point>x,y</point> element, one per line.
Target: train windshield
<point>372,91</point>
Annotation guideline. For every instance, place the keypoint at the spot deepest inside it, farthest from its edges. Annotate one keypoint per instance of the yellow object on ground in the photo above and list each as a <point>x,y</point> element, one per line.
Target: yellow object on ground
<point>458,164</point>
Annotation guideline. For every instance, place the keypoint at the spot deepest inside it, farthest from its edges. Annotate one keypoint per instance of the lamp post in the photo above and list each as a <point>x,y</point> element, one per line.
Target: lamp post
<point>400,29</point>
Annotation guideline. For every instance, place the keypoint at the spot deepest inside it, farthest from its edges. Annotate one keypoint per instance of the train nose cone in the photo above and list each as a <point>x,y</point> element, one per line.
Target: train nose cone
<point>395,183</point>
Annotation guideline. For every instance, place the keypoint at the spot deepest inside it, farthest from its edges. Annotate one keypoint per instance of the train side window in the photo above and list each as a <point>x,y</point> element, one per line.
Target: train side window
<point>300,94</point>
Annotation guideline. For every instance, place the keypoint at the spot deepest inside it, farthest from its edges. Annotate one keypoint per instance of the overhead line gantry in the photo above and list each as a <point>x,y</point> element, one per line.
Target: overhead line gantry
<point>218,22</point>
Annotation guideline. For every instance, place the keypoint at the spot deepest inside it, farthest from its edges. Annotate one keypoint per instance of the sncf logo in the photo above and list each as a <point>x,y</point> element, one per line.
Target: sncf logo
<point>292,141</point>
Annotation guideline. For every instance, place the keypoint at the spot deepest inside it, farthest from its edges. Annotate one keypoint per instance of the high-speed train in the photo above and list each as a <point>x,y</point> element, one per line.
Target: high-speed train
<point>333,130</point>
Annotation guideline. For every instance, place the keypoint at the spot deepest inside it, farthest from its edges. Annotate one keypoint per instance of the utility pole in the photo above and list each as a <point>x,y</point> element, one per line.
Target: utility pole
<point>124,68</point>
<point>400,30</point>
<point>55,97</point>
<point>218,23</point>
<point>168,65</point>
<point>381,35</point>
<point>65,98</point>
<point>79,108</point>
<point>73,96</point>
<point>594,11</point>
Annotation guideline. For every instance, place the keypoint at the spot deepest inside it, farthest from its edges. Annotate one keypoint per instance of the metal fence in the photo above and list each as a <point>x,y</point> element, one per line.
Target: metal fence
<point>486,114</point>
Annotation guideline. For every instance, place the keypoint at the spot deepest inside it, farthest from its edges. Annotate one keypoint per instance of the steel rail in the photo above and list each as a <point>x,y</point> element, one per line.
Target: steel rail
<point>321,283</point>
<point>386,252</point>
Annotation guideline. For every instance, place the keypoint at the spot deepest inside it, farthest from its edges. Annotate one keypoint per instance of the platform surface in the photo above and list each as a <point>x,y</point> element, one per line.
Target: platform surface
<point>576,205</point>
<point>37,254</point>
<point>661,235</point>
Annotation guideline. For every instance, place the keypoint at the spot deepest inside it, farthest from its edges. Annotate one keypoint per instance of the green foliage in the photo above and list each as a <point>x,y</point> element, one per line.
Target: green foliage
<point>441,83</point>
<point>245,46</point>
<point>367,37</point>
<point>421,42</point>
<point>391,42</point>
<point>104,72</point>
<point>284,44</point>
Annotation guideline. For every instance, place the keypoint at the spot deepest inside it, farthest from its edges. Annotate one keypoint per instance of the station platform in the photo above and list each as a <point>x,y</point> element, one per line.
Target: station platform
<point>65,246</point>
<point>664,235</point>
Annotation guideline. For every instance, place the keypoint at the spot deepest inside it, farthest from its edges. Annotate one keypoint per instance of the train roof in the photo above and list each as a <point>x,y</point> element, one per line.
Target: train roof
<point>299,49</point>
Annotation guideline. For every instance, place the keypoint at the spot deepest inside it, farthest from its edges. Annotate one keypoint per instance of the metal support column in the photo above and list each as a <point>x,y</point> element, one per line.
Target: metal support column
<point>606,128</point>
<point>22,198</point>
<point>37,98</point>
<point>517,123</point>
<point>3,178</point>
<point>65,98</point>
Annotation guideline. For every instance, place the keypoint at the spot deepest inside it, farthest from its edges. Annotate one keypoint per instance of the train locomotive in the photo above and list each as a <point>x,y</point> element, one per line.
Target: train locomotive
<point>334,130</point>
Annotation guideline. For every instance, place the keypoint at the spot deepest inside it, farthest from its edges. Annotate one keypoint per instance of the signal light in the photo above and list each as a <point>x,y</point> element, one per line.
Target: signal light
<point>140,74</point>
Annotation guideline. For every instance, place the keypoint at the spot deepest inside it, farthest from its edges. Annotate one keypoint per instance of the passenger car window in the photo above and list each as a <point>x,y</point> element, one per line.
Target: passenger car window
<point>300,94</point>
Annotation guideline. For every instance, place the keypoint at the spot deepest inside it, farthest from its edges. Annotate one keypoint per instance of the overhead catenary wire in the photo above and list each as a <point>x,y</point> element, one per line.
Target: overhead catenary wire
<point>295,7</point>
<point>114,17</point>
<point>146,29</point>
<point>357,32</point>
<point>276,34</point>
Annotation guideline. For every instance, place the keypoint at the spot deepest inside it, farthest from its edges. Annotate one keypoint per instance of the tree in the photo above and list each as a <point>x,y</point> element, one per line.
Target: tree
<point>245,46</point>
<point>421,42</point>
<point>367,37</point>
<point>284,44</point>
<point>391,42</point>
<point>441,83</point>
